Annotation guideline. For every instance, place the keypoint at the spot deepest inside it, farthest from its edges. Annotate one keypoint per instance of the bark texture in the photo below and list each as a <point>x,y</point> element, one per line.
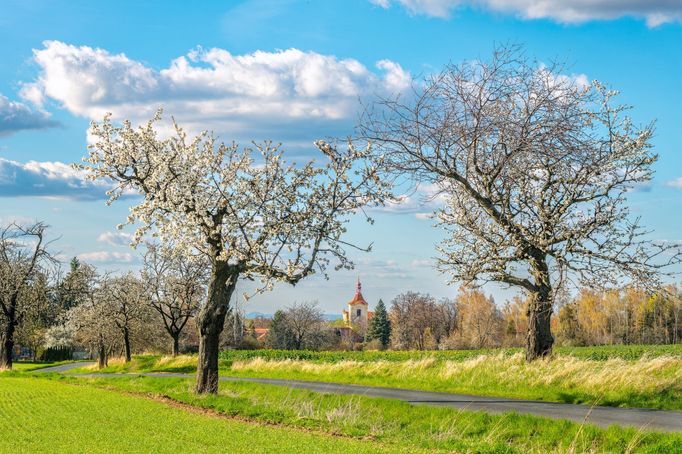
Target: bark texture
<point>7,346</point>
<point>126,344</point>
<point>211,322</point>
<point>101,354</point>
<point>539,340</point>
<point>176,344</point>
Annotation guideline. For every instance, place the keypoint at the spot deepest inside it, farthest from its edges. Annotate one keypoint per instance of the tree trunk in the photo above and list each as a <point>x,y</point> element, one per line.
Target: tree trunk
<point>126,343</point>
<point>7,347</point>
<point>211,321</point>
<point>176,344</point>
<point>102,354</point>
<point>539,339</point>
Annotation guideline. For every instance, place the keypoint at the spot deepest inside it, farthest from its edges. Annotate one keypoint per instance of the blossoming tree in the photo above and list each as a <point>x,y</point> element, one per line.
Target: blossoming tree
<point>176,286</point>
<point>248,211</point>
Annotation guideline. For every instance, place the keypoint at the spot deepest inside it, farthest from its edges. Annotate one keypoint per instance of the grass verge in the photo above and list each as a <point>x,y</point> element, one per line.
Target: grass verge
<point>25,366</point>
<point>395,425</point>
<point>646,382</point>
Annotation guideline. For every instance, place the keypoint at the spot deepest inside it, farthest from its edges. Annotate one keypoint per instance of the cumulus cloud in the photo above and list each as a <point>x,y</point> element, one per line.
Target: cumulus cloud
<point>106,257</point>
<point>287,94</point>
<point>47,179</point>
<point>654,12</point>
<point>676,183</point>
<point>422,202</point>
<point>16,116</point>
<point>115,238</point>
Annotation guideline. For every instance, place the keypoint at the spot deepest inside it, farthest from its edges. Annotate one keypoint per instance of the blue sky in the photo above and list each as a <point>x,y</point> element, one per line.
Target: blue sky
<point>293,71</point>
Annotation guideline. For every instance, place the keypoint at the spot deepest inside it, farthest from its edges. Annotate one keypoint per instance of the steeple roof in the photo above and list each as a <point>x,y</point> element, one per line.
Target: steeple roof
<point>358,298</point>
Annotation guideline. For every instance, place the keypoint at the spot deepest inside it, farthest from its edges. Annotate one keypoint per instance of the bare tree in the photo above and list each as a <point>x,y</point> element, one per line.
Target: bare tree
<point>418,321</point>
<point>535,167</point>
<point>23,256</point>
<point>249,212</point>
<point>176,285</point>
<point>304,323</point>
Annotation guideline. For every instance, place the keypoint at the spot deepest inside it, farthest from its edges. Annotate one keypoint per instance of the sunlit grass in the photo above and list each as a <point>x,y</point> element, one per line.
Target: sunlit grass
<point>38,415</point>
<point>397,424</point>
<point>648,381</point>
<point>30,365</point>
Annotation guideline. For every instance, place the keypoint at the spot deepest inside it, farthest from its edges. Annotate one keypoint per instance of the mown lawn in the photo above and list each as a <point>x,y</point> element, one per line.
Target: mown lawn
<point>394,424</point>
<point>39,415</point>
<point>627,376</point>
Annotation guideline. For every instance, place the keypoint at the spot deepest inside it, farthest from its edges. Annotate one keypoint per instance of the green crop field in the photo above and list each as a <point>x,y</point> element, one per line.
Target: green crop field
<point>58,413</point>
<point>628,376</point>
<point>38,415</point>
<point>380,423</point>
<point>600,353</point>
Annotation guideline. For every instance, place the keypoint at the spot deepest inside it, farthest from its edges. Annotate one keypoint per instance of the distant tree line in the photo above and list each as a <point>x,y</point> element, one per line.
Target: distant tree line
<point>417,321</point>
<point>53,312</point>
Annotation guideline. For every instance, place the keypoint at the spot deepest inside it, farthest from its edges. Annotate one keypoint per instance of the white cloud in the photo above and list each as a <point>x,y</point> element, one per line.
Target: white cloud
<point>106,257</point>
<point>422,201</point>
<point>382,3</point>
<point>47,179</point>
<point>676,183</point>
<point>115,238</point>
<point>654,12</point>
<point>422,264</point>
<point>278,95</point>
<point>433,8</point>
<point>16,116</point>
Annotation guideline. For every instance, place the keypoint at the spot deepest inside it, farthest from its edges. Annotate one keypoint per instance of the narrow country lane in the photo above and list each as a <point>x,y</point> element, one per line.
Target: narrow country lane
<point>649,419</point>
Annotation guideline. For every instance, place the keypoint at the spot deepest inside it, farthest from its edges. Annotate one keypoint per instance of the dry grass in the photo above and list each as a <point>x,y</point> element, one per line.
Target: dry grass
<point>497,374</point>
<point>654,382</point>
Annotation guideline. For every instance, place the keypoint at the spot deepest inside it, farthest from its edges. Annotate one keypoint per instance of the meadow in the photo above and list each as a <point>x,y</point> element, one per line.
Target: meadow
<point>244,414</point>
<point>631,376</point>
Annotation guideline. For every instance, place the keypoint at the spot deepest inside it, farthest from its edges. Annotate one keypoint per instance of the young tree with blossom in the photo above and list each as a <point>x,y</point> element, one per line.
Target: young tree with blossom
<point>535,167</point>
<point>249,212</point>
<point>127,308</point>
<point>175,285</point>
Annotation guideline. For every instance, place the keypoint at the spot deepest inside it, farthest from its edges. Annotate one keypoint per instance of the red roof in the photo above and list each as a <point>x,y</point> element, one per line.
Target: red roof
<point>358,298</point>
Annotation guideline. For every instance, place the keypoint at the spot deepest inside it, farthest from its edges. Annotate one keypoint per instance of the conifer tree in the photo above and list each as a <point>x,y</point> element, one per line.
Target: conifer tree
<point>380,326</point>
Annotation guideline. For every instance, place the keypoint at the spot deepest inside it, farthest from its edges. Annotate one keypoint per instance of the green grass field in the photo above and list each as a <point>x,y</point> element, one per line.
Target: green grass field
<point>391,425</point>
<point>629,376</point>
<point>600,353</point>
<point>27,366</point>
<point>38,415</point>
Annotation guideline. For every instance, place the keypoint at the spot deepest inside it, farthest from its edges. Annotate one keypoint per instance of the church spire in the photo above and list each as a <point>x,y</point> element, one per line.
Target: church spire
<point>358,298</point>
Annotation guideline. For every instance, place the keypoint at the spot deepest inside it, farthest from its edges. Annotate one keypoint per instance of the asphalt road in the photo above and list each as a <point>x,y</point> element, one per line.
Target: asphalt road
<point>664,420</point>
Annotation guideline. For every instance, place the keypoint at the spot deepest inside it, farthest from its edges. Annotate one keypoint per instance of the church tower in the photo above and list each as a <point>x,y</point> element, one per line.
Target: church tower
<point>357,313</point>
